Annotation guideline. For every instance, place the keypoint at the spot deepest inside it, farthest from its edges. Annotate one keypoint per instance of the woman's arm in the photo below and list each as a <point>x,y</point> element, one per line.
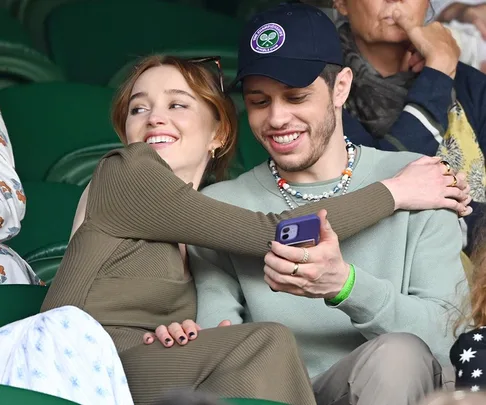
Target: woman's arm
<point>80,214</point>
<point>135,195</point>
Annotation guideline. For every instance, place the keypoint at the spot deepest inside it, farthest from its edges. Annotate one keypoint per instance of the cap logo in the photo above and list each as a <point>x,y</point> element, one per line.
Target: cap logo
<point>268,38</point>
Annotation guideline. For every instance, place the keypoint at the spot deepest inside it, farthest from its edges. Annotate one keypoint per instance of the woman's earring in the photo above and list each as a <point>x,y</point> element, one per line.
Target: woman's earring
<point>213,153</point>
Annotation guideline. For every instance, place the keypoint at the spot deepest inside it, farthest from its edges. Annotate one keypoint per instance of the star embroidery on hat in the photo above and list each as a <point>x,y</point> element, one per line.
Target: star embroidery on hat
<point>459,374</point>
<point>475,388</point>
<point>477,373</point>
<point>477,337</point>
<point>467,355</point>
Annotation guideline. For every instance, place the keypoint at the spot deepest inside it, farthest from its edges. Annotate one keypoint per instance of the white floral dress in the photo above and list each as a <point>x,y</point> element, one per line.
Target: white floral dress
<point>13,269</point>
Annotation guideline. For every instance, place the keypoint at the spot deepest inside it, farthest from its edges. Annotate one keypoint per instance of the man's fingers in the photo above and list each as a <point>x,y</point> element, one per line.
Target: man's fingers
<point>226,322</point>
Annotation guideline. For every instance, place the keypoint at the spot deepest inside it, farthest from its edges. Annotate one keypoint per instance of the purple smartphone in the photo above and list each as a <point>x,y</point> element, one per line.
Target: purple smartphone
<point>302,231</point>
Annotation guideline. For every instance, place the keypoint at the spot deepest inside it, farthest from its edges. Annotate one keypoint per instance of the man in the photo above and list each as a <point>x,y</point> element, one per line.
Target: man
<point>398,276</point>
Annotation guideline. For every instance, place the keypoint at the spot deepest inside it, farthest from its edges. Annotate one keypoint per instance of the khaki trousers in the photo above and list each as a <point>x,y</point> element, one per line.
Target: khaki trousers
<point>392,369</point>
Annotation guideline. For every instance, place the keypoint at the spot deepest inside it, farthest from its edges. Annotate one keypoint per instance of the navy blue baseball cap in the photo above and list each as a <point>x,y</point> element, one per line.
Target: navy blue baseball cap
<point>291,43</point>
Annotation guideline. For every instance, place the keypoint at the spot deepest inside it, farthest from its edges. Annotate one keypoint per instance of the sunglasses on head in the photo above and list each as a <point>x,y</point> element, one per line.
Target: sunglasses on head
<point>217,61</point>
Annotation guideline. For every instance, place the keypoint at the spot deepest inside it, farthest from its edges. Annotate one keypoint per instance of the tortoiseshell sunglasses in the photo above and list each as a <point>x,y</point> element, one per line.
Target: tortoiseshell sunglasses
<point>217,61</point>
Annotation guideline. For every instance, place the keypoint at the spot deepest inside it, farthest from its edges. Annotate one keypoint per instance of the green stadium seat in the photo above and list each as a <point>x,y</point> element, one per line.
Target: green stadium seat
<point>229,61</point>
<point>28,300</point>
<point>67,131</point>
<point>91,41</point>
<point>47,224</point>
<point>248,8</point>
<point>13,395</point>
<point>33,15</point>
<point>20,62</point>
<point>249,151</point>
<point>10,5</point>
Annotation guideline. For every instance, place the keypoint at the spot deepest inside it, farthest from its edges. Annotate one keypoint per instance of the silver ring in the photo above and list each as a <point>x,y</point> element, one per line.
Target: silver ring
<point>296,269</point>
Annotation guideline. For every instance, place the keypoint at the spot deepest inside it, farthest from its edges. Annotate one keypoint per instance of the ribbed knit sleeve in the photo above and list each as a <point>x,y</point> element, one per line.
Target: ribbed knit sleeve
<point>134,194</point>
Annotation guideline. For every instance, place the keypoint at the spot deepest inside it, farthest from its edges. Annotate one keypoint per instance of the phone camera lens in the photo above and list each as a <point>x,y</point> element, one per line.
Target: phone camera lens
<point>285,237</point>
<point>286,230</point>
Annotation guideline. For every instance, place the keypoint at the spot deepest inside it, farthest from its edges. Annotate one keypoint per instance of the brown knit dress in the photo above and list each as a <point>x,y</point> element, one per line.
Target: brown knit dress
<point>123,266</point>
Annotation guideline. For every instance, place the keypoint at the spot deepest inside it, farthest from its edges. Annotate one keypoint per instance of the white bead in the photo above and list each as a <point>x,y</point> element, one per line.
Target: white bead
<point>286,186</point>
<point>340,185</point>
<point>305,196</point>
<point>293,192</point>
<point>345,177</point>
<point>331,193</point>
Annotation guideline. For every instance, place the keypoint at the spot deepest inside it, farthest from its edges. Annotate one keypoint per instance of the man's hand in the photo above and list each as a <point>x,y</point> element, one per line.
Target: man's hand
<point>182,333</point>
<point>323,274</point>
<point>433,41</point>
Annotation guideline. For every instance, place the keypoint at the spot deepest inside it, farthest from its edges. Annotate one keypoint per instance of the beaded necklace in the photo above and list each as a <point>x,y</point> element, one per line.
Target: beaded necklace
<point>342,186</point>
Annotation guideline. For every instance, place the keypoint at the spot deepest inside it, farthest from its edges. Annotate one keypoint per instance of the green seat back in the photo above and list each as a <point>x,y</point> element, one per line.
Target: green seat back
<point>250,152</point>
<point>92,40</point>
<point>46,260</point>
<point>11,30</point>
<point>20,301</point>
<point>33,15</point>
<point>67,122</point>
<point>14,395</point>
<point>229,61</point>
<point>48,220</point>
<point>20,62</point>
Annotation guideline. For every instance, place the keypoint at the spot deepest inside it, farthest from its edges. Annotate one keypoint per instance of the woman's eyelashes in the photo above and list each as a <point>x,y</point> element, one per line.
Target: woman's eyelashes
<point>137,110</point>
<point>173,105</point>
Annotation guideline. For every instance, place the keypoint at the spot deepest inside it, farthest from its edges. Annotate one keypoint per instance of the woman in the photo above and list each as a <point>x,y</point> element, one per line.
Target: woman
<point>126,264</point>
<point>468,355</point>
<point>13,269</point>
<point>409,91</point>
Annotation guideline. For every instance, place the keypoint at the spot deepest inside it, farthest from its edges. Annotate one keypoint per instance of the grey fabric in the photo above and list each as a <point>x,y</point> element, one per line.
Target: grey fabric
<point>394,368</point>
<point>376,101</point>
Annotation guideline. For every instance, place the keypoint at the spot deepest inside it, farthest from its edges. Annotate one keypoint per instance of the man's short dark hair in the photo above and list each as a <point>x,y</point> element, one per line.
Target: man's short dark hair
<point>330,73</point>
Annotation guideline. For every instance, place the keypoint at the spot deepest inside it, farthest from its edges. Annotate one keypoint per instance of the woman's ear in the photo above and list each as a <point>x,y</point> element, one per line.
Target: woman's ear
<point>342,87</point>
<point>341,7</point>
<point>218,139</point>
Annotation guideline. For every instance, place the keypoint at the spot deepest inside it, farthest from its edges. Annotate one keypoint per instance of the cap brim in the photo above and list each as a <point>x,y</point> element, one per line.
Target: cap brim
<point>292,72</point>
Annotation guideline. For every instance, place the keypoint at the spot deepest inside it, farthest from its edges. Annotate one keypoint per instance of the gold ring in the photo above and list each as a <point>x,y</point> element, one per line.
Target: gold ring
<point>305,258</point>
<point>447,166</point>
<point>296,269</point>
<point>454,182</point>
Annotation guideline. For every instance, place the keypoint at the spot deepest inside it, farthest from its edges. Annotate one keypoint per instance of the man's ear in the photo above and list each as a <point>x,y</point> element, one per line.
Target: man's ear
<point>342,87</point>
<point>341,7</point>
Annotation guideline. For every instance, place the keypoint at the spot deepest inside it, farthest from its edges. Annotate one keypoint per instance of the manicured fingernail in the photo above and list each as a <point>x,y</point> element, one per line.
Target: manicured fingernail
<point>168,340</point>
<point>269,244</point>
<point>192,334</point>
<point>182,338</point>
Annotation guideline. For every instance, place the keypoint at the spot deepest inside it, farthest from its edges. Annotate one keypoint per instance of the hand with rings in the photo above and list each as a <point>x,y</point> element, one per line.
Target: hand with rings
<point>430,183</point>
<point>315,272</point>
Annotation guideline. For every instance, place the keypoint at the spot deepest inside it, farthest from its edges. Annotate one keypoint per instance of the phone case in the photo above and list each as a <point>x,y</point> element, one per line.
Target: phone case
<point>302,231</point>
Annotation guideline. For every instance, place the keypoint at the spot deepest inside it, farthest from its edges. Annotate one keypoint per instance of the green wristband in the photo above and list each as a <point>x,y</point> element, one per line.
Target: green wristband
<point>347,287</point>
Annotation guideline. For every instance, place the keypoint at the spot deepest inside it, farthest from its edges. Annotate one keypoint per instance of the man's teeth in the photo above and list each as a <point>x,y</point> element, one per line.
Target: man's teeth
<point>286,138</point>
<point>160,139</point>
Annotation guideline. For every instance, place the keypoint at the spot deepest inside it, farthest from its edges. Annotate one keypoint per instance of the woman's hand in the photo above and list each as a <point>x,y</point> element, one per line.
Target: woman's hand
<point>429,184</point>
<point>433,41</point>
<point>182,333</point>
